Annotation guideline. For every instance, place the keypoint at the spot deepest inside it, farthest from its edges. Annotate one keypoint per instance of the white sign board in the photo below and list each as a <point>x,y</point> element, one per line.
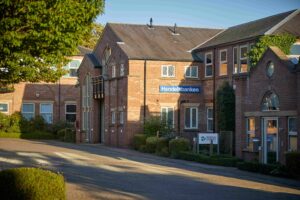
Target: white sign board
<point>205,138</point>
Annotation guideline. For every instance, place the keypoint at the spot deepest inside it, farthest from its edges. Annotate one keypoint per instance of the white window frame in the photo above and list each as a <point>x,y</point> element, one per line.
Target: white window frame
<point>209,64</point>
<point>33,112</point>
<point>223,62</point>
<point>167,75</point>
<point>249,132</point>
<point>237,60</point>
<point>186,68</point>
<point>113,71</point>
<point>167,108</point>
<point>191,115</point>
<point>6,103</point>
<point>70,113</point>
<point>291,133</point>
<point>122,70</point>
<point>208,119</point>
<point>243,58</point>
<point>44,103</point>
<point>113,117</point>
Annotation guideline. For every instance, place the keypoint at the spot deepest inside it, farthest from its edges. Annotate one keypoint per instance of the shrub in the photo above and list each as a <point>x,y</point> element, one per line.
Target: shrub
<point>143,148</point>
<point>162,147</point>
<point>293,163</point>
<point>4,122</point>
<point>177,145</point>
<point>39,123</point>
<point>269,169</point>
<point>154,124</point>
<point>31,184</point>
<point>67,135</point>
<point>151,143</point>
<point>15,120</point>
<point>54,128</point>
<point>211,160</point>
<point>138,140</point>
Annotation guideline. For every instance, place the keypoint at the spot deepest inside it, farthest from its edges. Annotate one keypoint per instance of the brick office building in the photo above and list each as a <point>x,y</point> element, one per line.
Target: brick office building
<point>176,71</point>
<point>53,101</point>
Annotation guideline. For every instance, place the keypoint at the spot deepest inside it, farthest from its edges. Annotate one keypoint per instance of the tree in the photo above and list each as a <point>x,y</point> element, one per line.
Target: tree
<point>91,38</point>
<point>35,36</point>
<point>225,108</point>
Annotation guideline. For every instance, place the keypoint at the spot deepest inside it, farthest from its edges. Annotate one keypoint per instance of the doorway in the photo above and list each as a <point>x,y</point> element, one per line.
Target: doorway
<point>270,140</point>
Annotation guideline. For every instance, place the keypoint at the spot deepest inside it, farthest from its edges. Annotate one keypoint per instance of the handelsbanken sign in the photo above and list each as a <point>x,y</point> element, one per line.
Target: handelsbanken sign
<point>179,89</point>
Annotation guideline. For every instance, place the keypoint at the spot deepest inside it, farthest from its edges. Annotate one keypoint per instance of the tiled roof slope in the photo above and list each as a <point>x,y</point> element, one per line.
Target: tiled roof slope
<point>159,42</point>
<point>245,31</point>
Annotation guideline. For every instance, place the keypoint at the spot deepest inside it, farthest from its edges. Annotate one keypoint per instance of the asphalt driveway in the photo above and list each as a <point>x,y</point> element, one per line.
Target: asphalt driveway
<point>99,172</point>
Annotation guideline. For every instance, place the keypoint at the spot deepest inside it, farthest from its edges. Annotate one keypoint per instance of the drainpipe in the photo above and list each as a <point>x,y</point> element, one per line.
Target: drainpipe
<point>145,87</point>
<point>214,90</point>
<point>59,98</point>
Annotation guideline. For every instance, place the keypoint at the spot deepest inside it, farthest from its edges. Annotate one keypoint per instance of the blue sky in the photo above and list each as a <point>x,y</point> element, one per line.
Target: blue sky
<point>194,13</point>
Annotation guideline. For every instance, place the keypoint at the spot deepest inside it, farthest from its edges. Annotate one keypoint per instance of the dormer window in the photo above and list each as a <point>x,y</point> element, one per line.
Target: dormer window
<point>270,102</point>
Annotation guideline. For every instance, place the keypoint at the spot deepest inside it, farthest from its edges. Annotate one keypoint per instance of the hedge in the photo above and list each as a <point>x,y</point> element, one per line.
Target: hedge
<point>269,169</point>
<point>31,184</point>
<point>33,135</point>
<point>151,143</point>
<point>292,160</point>
<point>211,160</point>
<point>162,147</point>
<point>67,135</point>
<point>138,140</point>
<point>177,145</point>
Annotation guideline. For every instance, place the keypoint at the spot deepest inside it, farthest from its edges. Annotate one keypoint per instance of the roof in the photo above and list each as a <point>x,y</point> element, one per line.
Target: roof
<point>245,31</point>
<point>93,59</point>
<point>283,57</point>
<point>83,50</point>
<point>159,42</point>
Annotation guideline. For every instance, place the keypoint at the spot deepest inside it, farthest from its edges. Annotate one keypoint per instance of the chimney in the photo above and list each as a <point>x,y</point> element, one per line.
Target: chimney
<point>175,26</point>
<point>151,23</point>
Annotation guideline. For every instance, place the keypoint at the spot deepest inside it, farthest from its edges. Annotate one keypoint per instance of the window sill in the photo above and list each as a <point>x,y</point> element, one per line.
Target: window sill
<point>249,150</point>
<point>190,130</point>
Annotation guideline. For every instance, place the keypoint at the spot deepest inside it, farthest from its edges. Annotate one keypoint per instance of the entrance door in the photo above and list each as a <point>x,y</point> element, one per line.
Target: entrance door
<point>270,140</point>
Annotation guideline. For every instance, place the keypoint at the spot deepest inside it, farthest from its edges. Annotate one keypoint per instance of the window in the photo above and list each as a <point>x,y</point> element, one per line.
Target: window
<point>270,69</point>
<point>105,56</point>
<point>250,132</point>
<point>292,134</point>
<point>191,118</point>
<point>46,111</point>
<point>4,107</point>
<point>113,117</point>
<point>243,59</point>
<point>270,102</point>
<point>121,117</point>
<point>72,68</point>
<point>167,116</point>
<point>191,72</point>
<point>28,110</point>
<point>210,117</point>
<point>113,71</point>
<point>223,63</point>
<point>71,112</point>
<point>208,64</point>
<point>122,70</point>
<point>167,71</point>
<point>235,60</point>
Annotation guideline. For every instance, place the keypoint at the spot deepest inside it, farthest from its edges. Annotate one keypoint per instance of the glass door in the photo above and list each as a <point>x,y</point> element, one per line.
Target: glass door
<point>270,140</point>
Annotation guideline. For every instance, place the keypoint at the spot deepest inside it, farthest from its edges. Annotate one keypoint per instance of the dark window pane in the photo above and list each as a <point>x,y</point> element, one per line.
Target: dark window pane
<point>209,70</point>
<point>71,108</point>
<point>194,117</point>
<point>70,117</point>
<point>3,107</point>
<point>187,118</point>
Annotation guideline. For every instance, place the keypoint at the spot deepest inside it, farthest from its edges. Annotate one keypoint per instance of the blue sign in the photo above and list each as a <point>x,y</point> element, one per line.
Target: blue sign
<point>179,89</point>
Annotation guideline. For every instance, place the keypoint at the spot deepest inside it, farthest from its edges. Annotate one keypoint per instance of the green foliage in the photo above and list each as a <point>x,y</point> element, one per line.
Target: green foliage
<point>4,122</point>
<point>211,160</point>
<point>54,128</point>
<point>15,120</point>
<point>154,124</point>
<point>177,145</point>
<point>67,135</point>
<point>283,42</point>
<point>292,161</point>
<point>31,184</point>
<point>269,169</point>
<point>32,135</point>
<point>90,39</point>
<point>37,35</point>
<point>138,140</point>
<point>162,147</point>
<point>151,143</point>
<point>225,108</point>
